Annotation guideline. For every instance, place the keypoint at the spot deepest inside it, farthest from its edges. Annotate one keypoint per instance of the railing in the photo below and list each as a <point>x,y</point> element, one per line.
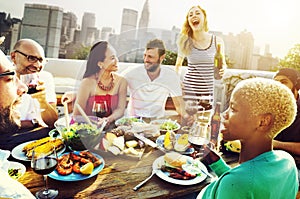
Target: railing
<point>68,73</point>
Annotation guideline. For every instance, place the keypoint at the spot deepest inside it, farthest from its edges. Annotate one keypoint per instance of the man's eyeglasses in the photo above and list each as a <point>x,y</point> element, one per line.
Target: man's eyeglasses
<point>31,58</point>
<point>7,73</point>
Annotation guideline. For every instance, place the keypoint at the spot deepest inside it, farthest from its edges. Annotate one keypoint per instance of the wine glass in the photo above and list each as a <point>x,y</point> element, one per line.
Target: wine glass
<point>44,163</point>
<point>31,80</point>
<point>191,108</point>
<point>199,135</point>
<point>100,109</point>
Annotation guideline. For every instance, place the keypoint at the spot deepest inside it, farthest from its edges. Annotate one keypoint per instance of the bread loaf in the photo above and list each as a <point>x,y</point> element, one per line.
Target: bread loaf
<point>175,159</point>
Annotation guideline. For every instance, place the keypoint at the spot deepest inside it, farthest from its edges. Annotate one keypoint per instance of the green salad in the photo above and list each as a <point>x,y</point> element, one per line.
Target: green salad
<point>126,121</point>
<point>76,129</point>
<point>81,132</point>
<point>169,125</point>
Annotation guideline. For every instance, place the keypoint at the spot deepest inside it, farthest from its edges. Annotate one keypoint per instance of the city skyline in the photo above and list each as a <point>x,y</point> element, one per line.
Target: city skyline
<point>271,22</point>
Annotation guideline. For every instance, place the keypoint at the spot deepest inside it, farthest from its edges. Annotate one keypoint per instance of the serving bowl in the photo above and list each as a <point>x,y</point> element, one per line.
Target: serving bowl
<point>81,135</point>
<point>127,121</point>
<point>166,124</point>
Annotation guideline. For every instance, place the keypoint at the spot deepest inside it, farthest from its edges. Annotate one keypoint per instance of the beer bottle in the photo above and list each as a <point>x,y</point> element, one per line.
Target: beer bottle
<point>218,62</point>
<point>215,124</point>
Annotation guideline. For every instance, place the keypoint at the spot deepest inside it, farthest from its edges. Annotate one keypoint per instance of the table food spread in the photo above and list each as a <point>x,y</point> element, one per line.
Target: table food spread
<point>131,137</point>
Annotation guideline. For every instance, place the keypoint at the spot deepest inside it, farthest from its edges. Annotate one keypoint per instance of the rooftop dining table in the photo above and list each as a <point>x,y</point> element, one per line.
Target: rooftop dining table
<point>118,178</point>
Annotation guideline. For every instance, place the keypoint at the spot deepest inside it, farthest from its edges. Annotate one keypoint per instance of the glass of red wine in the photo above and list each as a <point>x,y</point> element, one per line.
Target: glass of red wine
<point>31,80</point>
<point>43,164</point>
<point>100,109</point>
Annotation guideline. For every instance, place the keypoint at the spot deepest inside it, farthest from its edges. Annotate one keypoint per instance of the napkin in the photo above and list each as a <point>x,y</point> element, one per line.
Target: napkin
<point>4,163</point>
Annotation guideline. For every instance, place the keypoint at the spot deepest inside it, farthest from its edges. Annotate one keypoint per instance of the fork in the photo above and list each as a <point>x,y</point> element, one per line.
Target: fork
<point>144,181</point>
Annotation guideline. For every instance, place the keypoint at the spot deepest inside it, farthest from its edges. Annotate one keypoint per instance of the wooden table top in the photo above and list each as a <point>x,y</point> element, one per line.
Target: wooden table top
<point>117,180</point>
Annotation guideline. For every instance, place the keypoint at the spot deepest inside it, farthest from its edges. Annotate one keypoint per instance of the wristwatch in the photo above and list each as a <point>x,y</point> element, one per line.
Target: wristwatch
<point>35,123</point>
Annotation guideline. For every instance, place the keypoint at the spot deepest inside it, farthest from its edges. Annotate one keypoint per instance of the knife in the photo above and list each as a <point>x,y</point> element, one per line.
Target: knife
<point>148,142</point>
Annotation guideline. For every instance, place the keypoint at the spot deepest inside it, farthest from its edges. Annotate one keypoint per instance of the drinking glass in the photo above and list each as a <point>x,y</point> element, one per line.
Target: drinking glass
<point>199,135</point>
<point>44,163</point>
<point>191,108</point>
<point>100,109</point>
<point>31,80</point>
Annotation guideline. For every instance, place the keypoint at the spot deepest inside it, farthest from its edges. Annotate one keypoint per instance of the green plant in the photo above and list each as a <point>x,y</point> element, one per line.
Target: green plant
<point>171,57</point>
<point>81,53</point>
<point>292,59</point>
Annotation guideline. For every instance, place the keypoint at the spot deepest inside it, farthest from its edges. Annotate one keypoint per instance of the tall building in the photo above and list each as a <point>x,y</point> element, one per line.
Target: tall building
<point>247,43</point>
<point>143,28</point>
<point>267,50</point>
<point>129,22</point>
<point>43,24</point>
<point>88,21</point>
<point>144,20</point>
<point>10,29</point>
<point>69,25</point>
<point>106,32</point>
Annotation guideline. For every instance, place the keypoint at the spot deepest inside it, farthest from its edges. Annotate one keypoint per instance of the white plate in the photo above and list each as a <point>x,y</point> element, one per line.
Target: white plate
<point>160,142</point>
<point>165,175</point>
<point>160,122</point>
<point>20,155</point>
<point>17,165</point>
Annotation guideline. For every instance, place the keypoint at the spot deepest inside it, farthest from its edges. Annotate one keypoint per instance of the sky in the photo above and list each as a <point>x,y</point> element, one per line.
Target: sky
<point>273,22</point>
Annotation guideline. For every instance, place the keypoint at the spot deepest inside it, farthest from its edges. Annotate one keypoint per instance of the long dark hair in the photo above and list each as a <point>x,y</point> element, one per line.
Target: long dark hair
<point>97,53</point>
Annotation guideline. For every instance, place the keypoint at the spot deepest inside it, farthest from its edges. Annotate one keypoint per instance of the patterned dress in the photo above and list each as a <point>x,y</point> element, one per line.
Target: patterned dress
<point>198,82</point>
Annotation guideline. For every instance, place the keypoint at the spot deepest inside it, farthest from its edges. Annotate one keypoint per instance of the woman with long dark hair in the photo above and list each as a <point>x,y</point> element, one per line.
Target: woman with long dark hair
<point>100,84</point>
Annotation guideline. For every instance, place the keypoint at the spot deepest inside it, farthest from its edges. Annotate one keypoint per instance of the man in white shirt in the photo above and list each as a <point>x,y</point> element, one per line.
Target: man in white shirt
<point>151,85</point>
<point>28,57</point>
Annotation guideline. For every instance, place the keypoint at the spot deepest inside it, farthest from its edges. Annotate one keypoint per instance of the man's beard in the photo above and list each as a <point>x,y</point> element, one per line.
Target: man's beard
<point>7,124</point>
<point>154,67</point>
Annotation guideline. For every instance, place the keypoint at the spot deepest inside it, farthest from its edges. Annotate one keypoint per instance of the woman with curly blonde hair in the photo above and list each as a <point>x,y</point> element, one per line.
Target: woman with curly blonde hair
<point>259,109</point>
<point>199,47</point>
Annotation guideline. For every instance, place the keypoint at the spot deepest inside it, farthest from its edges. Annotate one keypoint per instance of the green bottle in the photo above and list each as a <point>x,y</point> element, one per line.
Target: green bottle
<point>218,62</point>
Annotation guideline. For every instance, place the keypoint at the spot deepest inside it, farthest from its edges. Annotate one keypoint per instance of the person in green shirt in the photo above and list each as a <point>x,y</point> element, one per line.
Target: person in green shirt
<point>259,109</point>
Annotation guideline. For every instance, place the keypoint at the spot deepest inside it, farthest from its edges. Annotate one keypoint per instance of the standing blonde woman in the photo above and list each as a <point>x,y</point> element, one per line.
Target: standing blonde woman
<point>199,46</point>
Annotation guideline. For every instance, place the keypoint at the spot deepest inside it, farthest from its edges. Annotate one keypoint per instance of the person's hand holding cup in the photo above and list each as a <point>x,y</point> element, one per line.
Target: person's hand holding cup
<point>32,82</point>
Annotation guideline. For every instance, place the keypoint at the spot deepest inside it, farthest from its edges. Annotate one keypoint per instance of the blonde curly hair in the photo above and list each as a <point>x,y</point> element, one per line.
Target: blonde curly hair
<point>269,96</point>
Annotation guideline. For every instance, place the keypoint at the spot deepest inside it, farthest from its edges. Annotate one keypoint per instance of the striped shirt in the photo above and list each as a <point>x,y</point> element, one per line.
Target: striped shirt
<point>198,82</point>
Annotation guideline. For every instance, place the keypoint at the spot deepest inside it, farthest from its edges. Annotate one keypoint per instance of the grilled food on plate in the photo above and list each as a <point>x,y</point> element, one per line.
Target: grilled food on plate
<point>42,147</point>
<point>173,165</point>
<point>36,143</point>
